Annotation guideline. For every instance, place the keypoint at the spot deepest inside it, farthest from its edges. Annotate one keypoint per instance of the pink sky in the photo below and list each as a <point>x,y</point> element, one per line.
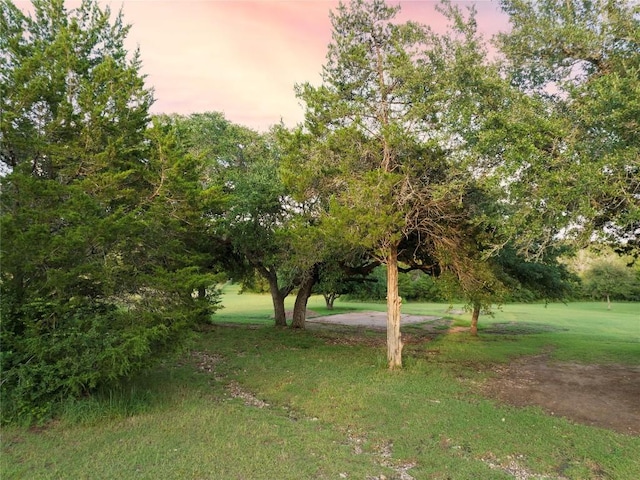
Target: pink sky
<point>243,57</point>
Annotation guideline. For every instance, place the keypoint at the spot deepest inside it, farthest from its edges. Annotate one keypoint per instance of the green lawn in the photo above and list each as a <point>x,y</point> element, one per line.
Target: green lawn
<point>333,410</point>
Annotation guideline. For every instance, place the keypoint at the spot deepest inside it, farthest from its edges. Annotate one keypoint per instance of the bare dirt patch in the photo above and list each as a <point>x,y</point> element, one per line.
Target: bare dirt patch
<point>371,320</point>
<point>368,328</point>
<point>606,396</point>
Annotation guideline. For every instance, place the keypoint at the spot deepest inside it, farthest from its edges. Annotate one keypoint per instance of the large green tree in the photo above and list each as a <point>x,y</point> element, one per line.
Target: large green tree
<point>258,224</point>
<point>605,274</point>
<point>95,276</point>
<point>377,153</point>
<point>565,144</point>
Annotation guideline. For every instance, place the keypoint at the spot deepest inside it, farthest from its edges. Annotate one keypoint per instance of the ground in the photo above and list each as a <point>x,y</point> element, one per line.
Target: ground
<point>600,395</point>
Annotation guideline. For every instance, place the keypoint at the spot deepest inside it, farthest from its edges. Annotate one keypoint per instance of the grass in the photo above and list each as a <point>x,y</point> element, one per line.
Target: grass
<point>258,309</point>
<point>334,411</point>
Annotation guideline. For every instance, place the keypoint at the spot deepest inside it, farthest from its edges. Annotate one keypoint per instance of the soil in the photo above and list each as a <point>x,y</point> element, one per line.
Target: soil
<point>372,320</point>
<point>606,396</point>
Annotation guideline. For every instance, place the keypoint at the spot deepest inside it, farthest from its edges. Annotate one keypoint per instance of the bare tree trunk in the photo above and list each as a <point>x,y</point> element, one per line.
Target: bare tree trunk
<point>329,299</point>
<point>474,319</point>
<point>279,314</point>
<point>300,306</point>
<point>394,340</point>
<point>277,297</point>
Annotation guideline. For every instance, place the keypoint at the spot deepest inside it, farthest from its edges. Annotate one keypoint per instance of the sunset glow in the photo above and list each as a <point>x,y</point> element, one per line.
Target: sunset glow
<point>243,58</point>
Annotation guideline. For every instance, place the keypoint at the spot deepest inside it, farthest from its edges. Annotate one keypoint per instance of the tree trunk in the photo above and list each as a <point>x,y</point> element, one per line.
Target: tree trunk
<point>202,292</point>
<point>394,341</point>
<point>474,319</point>
<point>608,302</point>
<point>278,302</point>
<point>329,299</point>
<point>277,294</point>
<point>300,306</point>
<point>279,314</point>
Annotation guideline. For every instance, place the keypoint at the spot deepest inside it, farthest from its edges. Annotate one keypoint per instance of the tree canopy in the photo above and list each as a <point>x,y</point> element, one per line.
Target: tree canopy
<point>565,144</point>
<point>256,222</point>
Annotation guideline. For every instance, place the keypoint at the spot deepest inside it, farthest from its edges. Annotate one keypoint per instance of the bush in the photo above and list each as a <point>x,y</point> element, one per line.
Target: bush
<point>51,353</point>
<point>420,287</point>
<point>372,288</point>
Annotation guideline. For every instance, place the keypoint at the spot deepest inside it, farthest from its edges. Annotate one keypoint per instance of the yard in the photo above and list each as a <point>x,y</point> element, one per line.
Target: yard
<point>545,392</point>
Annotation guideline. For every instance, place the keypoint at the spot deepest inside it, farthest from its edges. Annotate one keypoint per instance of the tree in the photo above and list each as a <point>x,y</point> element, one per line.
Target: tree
<point>340,272</point>
<point>609,279</point>
<point>178,237</point>
<point>567,143</point>
<point>606,274</point>
<point>515,278</point>
<point>95,280</point>
<point>255,225</point>
<point>331,284</point>
<point>375,155</point>
<point>257,221</point>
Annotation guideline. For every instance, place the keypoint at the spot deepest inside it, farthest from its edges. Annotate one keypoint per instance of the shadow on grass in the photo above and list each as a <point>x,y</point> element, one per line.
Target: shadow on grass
<point>521,328</point>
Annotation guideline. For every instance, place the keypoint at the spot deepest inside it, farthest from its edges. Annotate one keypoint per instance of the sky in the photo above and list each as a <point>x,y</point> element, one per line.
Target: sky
<point>244,57</point>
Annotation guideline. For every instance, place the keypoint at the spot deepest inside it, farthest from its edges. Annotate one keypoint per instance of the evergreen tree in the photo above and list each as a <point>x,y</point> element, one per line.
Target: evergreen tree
<point>378,154</point>
<point>91,276</point>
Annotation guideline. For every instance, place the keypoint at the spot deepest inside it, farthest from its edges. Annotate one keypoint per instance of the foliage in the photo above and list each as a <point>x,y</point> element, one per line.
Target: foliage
<point>96,274</point>
<point>413,286</point>
<point>565,147</point>
<point>362,154</point>
<point>185,258</point>
<point>546,279</point>
<point>377,152</point>
<point>610,280</point>
<point>373,289</point>
<point>418,286</point>
<point>602,272</point>
<point>517,280</point>
<point>259,225</point>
